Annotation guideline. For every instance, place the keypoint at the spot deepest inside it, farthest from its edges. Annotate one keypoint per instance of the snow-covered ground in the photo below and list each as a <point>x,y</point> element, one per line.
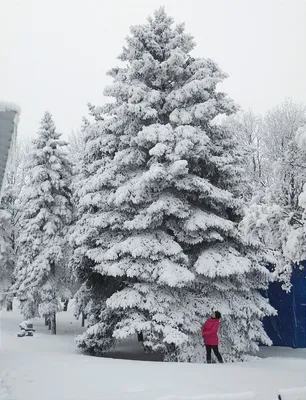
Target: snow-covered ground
<point>45,367</point>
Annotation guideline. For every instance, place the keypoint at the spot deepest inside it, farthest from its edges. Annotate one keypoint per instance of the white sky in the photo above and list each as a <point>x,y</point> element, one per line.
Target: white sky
<point>54,53</point>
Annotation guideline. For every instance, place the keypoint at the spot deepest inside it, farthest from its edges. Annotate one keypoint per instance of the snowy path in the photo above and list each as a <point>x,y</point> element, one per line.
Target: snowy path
<point>4,388</point>
<point>45,367</point>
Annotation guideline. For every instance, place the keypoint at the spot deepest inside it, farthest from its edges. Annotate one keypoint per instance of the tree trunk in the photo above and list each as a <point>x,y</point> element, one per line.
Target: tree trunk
<point>53,324</point>
<point>9,305</point>
<point>83,319</point>
<point>140,337</point>
<point>66,305</point>
<point>49,323</point>
<point>46,321</point>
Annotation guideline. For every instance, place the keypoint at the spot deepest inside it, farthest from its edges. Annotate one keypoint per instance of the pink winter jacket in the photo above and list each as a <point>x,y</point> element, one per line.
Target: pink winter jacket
<point>210,331</point>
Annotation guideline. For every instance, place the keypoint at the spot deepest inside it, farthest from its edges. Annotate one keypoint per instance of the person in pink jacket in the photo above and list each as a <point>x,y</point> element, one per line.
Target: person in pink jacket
<point>210,336</point>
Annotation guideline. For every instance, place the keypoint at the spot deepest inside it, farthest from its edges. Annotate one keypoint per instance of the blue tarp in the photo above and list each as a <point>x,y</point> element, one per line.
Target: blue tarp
<point>288,328</point>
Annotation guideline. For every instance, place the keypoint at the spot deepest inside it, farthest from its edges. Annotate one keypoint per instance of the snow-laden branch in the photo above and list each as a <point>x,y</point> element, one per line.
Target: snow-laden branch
<point>16,291</point>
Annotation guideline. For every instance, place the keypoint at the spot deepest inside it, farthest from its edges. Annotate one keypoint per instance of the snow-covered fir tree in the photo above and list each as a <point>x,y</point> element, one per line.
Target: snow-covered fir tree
<point>7,254</point>
<point>42,275</point>
<point>7,239</point>
<point>9,219</point>
<point>90,300</point>
<point>157,243</point>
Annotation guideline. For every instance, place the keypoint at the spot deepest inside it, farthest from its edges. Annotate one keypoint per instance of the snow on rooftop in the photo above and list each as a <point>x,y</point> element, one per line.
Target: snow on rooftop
<point>8,106</point>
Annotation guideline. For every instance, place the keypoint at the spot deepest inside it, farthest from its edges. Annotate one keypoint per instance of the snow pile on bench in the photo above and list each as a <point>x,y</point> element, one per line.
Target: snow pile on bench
<point>27,329</point>
<point>24,325</point>
<point>292,394</point>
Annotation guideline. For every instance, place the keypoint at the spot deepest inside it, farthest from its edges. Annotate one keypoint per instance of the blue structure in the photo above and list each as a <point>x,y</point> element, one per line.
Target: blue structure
<point>288,328</point>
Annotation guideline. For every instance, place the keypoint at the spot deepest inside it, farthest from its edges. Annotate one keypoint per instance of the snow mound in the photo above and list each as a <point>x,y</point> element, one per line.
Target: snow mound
<point>223,396</point>
<point>24,324</point>
<point>293,394</point>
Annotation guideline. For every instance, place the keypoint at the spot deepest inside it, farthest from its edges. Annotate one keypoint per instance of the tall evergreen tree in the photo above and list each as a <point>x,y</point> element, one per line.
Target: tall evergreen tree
<point>45,214</point>
<point>157,208</point>
<point>9,220</point>
<point>7,255</point>
<point>89,232</point>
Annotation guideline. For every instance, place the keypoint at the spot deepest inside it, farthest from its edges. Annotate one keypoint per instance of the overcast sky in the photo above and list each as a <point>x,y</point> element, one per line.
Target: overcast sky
<point>54,53</point>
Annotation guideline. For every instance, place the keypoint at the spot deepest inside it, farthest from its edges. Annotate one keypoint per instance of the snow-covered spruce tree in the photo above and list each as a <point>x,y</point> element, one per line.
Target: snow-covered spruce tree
<point>158,214</point>
<point>9,220</point>
<point>7,239</point>
<point>41,274</point>
<point>90,231</point>
<point>7,256</point>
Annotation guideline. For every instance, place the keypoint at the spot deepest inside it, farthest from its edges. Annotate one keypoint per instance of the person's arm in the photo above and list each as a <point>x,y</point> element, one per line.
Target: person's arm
<point>203,330</point>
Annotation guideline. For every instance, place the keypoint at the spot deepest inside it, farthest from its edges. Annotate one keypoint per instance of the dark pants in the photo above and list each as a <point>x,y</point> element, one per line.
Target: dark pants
<point>215,350</point>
